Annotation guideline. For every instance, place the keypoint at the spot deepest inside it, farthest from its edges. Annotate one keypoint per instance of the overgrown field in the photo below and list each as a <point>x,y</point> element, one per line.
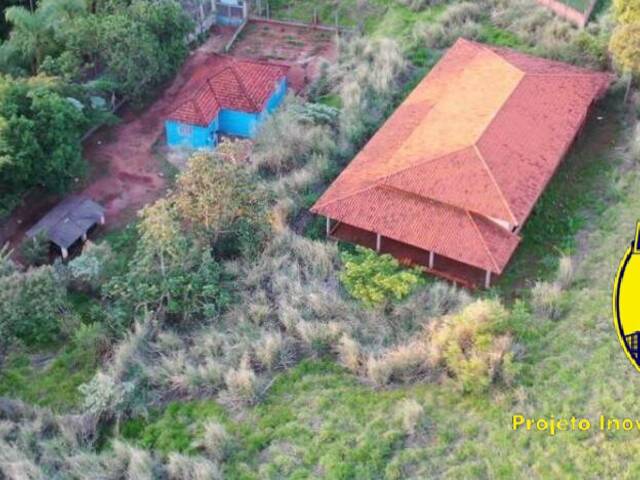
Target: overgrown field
<point>229,339</point>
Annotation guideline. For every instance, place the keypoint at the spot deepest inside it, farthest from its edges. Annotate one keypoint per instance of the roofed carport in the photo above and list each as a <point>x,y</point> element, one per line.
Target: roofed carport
<point>68,222</point>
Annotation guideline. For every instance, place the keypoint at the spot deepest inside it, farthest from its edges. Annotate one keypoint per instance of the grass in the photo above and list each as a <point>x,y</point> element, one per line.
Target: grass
<point>48,379</point>
<point>318,421</point>
<point>316,418</point>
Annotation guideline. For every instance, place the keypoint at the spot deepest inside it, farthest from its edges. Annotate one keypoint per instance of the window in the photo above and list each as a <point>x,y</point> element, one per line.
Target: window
<point>185,130</point>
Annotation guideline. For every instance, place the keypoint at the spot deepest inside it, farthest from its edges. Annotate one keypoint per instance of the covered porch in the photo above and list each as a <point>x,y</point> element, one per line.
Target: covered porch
<point>439,265</point>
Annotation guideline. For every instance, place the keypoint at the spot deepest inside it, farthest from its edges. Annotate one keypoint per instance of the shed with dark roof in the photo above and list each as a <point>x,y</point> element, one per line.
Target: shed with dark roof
<point>68,222</point>
<point>452,176</point>
<point>226,96</point>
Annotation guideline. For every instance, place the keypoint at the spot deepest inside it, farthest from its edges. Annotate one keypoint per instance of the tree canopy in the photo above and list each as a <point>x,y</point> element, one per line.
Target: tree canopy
<point>40,130</point>
<point>625,40</point>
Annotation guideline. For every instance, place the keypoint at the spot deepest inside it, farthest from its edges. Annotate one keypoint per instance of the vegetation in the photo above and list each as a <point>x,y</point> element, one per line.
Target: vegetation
<point>196,358</point>
<point>375,279</point>
<point>625,41</point>
<point>63,65</point>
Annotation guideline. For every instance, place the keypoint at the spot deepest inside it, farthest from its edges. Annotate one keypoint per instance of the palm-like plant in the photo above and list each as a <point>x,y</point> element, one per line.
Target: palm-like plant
<point>32,32</point>
<point>30,35</point>
<point>58,12</point>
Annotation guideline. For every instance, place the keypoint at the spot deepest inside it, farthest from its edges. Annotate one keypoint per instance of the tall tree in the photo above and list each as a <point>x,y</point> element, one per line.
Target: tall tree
<point>625,40</point>
<point>31,35</point>
<point>218,197</point>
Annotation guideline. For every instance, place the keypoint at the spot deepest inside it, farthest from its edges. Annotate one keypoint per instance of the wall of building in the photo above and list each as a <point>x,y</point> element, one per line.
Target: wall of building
<point>229,122</point>
<point>242,124</point>
<point>191,136</point>
<point>231,12</point>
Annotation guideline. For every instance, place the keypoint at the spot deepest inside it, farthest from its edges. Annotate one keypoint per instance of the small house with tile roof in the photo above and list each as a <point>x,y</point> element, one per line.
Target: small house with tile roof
<point>450,179</point>
<point>226,96</point>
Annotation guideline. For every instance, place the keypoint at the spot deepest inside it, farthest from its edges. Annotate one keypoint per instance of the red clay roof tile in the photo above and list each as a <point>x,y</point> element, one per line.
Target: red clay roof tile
<point>226,82</point>
<point>467,154</point>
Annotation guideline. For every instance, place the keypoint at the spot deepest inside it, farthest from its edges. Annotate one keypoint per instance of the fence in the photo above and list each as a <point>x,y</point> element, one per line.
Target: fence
<point>338,20</point>
<point>570,13</point>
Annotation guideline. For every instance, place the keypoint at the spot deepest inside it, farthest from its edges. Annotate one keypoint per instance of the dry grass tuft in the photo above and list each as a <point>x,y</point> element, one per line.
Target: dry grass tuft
<point>546,300</point>
<point>410,414</point>
<point>184,467</point>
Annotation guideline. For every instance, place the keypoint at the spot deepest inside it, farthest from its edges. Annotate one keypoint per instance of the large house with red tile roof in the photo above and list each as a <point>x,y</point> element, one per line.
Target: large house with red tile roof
<point>226,96</point>
<point>449,180</point>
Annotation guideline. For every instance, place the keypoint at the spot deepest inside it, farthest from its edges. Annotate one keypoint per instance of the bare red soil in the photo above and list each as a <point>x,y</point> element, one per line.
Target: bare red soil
<point>302,48</point>
<point>125,173</point>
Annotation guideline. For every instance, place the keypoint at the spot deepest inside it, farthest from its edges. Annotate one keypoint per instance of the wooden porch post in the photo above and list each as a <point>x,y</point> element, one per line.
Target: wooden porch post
<point>432,258</point>
<point>65,252</point>
<point>102,220</point>
<point>328,226</point>
<point>378,242</point>
<point>84,237</point>
<point>487,279</point>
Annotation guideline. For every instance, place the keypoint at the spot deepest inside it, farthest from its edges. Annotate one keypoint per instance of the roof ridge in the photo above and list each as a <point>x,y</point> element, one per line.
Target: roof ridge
<point>377,181</point>
<point>493,179</point>
<point>484,242</point>
<point>198,109</point>
<point>491,49</point>
<point>213,91</point>
<point>488,125</point>
<point>243,87</point>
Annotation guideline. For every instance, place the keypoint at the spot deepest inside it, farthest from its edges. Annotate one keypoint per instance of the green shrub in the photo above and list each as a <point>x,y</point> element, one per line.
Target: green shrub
<point>32,304</point>
<point>469,348</point>
<point>376,279</point>
<point>87,271</point>
<point>35,251</point>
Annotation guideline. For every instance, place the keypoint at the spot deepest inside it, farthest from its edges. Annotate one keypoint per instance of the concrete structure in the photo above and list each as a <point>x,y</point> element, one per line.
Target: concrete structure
<point>225,96</point>
<point>452,176</point>
<point>68,222</point>
<point>231,12</point>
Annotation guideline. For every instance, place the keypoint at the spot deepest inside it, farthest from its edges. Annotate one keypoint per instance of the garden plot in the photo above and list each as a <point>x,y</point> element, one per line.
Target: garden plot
<point>304,48</point>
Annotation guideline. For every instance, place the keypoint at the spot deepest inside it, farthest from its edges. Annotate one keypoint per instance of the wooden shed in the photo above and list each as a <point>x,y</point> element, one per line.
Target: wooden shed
<point>449,180</point>
<point>69,222</point>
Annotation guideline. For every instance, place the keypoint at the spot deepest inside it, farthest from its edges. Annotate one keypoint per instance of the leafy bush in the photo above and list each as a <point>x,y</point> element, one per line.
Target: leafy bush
<point>169,271</point>
<point>35,251</point>
<point>32,304</point>
<point>40,132</point>
<point>469,347</point>
<point>87,271</point>
<point>375,279</point>
<point>223,203</point>
<point>104,396</point>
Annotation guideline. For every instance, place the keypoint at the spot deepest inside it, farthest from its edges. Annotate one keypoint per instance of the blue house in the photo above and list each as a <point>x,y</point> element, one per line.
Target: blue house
<point>225,96</point>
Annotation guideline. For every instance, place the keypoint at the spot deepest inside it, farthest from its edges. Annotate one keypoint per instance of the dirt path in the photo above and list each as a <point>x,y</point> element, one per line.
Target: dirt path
<point>125,173</point>
<point>129,176</point>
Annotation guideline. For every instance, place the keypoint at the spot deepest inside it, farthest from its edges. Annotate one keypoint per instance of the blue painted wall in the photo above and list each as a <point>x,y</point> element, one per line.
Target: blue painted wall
<point>230,21</point>
<point>277,97</point>
<point>191,136</point>
<point>229,122</point>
